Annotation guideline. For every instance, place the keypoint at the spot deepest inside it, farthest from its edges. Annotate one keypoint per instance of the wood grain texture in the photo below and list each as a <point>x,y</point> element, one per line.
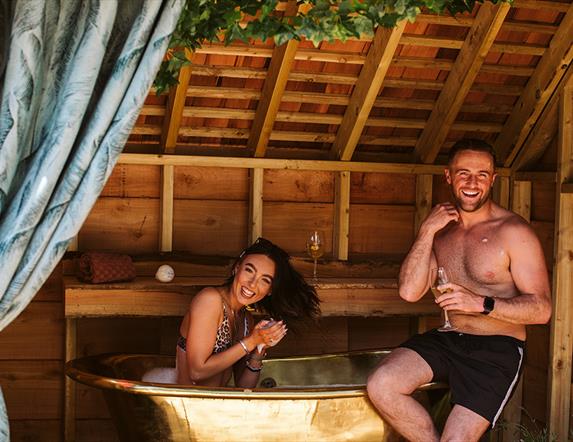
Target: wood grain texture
<point>37,334</point>
<point>210,227</point>
<point>476,46</point>
<point>122,225</point>
<point>381,229</point>
<point>367,87</point>
<point>205,183</point>
<point>538,92</point>
<point>288,224</point>
<point>133,181</point>
<point>32,388</point>
<point>381,188</point>
<point>561,344</point>
<point>299,186</point>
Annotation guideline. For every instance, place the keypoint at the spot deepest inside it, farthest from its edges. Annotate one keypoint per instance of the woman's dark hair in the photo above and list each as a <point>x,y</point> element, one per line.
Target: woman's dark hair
<point>291,299</point>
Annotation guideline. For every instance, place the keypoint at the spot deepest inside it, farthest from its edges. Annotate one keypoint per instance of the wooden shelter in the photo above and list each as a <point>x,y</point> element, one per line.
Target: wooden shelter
<point>348,138</point>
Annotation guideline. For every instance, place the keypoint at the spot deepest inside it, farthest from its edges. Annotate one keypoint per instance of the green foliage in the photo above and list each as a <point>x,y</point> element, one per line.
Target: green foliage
<point>326,20</point>
<point>529,433</point>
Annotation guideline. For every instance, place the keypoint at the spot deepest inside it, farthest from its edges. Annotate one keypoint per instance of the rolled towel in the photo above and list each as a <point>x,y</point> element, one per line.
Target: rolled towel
<point>99,267</point>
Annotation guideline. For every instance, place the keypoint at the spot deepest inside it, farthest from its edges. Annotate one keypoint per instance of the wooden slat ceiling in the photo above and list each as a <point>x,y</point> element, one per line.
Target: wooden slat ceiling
<point>405,96</point>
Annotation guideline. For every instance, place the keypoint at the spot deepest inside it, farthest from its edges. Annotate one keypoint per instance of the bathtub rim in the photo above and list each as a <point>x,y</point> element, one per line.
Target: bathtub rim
<point>75,369</point>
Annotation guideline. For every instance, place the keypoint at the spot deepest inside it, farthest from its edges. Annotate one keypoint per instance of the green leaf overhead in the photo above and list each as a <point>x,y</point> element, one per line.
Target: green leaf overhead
<point>324,20</point>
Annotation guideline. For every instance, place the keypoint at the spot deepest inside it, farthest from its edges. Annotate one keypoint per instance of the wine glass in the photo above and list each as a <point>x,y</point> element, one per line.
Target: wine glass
<point>439,277</point>
<point>315,248</point>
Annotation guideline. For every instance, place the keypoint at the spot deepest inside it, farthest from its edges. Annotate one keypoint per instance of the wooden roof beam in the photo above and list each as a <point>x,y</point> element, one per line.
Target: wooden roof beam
<point>468,63</point>
<point>366,90</point>
<point>538,91</point>
<point>544,131</point>
<point>273,89</point>
<point>174,112</point>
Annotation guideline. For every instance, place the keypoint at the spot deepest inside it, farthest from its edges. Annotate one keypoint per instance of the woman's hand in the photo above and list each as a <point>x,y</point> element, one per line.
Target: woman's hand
<point>269,333</point>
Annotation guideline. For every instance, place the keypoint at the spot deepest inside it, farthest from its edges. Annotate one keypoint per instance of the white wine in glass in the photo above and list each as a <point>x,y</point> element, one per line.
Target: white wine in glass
<point>439,277</point>
<point>315,248</point>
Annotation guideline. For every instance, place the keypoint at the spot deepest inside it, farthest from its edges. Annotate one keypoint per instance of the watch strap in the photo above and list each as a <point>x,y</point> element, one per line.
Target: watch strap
<point>488,305</point>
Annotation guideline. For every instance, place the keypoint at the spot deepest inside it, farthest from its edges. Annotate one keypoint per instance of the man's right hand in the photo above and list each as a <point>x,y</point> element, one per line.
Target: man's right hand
<point>440,216</point>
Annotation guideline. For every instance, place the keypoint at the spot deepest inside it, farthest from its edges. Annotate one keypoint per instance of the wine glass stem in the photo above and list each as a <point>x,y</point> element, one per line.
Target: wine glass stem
<point>447,320</point>
<point>314,270</point>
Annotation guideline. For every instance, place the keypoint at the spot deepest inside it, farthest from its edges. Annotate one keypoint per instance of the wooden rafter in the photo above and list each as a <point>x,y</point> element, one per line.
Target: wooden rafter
<point>272,163</point>
<point>350,79</point>
<point>367,87</point>
<point>544,131</point>
<point>352,58</point>
<point>273,89</point>
<point>174,112</point>
<point>471,57</point>
<point>508,25</point>
<point>538,92</point>
<point>339,99</point>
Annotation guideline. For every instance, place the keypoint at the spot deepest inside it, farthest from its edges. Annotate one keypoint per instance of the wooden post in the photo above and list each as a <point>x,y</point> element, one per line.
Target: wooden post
<point>501,191</point>
<point>341,216</point>
<point>166,231</point>
<point>521,199</point>
<point>70,385</point>
<point>256,204</point>
<point>520,204</point>
<point>562,318</point>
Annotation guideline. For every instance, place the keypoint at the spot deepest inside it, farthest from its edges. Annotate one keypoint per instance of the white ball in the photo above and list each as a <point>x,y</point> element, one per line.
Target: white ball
<point>165,273</point>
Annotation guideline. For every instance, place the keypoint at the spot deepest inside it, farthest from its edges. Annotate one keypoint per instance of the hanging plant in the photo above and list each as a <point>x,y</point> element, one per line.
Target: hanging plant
<point>325,20</point>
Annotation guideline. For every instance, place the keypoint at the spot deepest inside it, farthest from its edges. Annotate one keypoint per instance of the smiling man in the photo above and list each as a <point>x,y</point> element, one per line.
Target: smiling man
<point>498,285</point>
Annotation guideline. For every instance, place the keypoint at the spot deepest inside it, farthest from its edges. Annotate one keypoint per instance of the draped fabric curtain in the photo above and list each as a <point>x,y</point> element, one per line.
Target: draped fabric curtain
<point>73,77</point>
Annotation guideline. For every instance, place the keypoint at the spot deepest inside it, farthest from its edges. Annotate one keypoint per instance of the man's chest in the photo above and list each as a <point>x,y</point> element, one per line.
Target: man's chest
<point>478,257</point>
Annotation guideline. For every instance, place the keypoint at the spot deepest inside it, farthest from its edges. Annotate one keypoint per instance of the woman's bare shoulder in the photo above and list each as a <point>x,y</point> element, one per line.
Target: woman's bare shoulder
<point>207,297</point>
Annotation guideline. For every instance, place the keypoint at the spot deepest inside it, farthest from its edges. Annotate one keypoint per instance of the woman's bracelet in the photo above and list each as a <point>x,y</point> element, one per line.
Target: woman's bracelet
<point>257,358</point>
<point>253,369</point>
<point>244,347</point>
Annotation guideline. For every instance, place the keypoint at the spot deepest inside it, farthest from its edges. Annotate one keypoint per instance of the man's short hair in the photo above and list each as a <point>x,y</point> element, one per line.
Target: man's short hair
<point>471,144</point>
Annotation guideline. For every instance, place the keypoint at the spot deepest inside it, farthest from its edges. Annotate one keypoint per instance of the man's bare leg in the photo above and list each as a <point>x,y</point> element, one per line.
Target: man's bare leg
<point>464,425</point>
<point>389,388</point>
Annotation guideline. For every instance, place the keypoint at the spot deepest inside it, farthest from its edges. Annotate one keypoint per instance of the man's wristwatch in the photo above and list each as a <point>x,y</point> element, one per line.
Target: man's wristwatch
<point>488,305</point>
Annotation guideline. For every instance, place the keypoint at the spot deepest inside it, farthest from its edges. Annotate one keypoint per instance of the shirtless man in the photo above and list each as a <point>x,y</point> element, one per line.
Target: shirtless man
<point>499,284</point>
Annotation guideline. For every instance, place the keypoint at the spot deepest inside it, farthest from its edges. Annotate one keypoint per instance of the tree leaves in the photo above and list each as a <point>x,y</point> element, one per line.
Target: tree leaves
<point>326,20</point>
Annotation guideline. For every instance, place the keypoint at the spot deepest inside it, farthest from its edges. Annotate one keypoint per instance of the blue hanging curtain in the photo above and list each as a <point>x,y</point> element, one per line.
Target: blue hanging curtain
<point>73,78</point>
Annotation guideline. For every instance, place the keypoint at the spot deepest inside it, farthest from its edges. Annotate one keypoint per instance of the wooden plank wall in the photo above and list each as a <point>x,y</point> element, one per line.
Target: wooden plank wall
<point>31,366</point>
<point>210,217</point>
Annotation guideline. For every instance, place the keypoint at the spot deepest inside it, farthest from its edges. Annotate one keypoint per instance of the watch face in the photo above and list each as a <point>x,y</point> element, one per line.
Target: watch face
<point>488,305</point>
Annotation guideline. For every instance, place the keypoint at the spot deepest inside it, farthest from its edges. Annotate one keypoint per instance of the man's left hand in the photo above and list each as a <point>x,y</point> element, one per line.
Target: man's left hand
<point>457,297</point>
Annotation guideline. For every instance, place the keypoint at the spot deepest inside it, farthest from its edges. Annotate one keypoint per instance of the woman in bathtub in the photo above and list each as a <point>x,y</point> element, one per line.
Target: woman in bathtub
<point>218,336</point>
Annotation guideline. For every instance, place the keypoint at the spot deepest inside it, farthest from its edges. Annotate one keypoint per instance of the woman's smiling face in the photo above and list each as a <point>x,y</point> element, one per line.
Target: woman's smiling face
<point>253,279</point>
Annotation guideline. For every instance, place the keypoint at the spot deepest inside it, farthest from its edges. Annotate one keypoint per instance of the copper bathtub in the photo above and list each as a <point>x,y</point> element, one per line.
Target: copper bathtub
<point>312,398</point>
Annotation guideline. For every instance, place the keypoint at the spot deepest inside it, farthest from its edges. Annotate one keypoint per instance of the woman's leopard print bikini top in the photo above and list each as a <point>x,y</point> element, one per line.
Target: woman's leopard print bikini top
<point>224,338</point>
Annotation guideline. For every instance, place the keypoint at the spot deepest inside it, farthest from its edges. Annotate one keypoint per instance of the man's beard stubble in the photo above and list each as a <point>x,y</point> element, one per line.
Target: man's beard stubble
<point>480,203</point>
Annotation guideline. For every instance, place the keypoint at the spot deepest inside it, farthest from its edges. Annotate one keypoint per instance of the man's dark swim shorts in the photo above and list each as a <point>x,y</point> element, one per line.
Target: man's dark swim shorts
<point>482,370</point>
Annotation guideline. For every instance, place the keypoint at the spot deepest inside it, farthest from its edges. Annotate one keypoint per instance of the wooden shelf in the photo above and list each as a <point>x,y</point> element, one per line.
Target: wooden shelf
<point>146,297</point>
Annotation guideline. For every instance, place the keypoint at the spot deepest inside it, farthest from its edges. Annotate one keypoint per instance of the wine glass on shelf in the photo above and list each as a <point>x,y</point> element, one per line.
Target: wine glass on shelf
<point>439,277</point>
<point>315,248</point>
